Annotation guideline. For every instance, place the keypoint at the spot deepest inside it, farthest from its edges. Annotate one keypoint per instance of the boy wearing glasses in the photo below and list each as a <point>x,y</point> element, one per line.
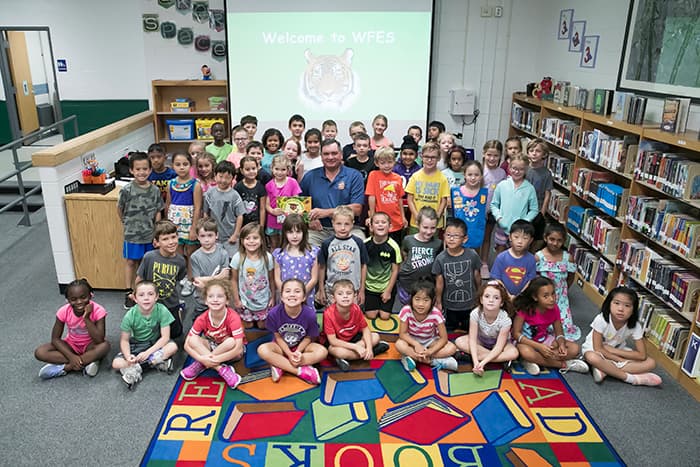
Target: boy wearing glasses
<point>457,276</point>
<point>240,140</point>
<point>428,187</point>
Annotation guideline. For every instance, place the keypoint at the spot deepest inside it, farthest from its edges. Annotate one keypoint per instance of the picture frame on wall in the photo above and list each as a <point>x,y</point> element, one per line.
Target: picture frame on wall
<point>663,63</point>
<point>589,51</point>
<point>578,32</point>
<point>565,19</point>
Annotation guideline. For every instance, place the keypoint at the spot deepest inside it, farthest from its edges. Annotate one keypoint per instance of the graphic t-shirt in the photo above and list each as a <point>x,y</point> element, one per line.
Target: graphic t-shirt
<point>418,259</point>
<point>224,207</point>
<point>457,272</point>
<point>387,190</point>
<point>381,258</point>
<point>472,210</point>
<point>76,331</point>
<point>253,281</point>
<point>292,330</point>
<point>514,272</point>
<point>539,325</point>
<point>343,259</point>
<point>251,200</point>
<point>230,326</point>
<point>165,272</point>
<point>428,190</point>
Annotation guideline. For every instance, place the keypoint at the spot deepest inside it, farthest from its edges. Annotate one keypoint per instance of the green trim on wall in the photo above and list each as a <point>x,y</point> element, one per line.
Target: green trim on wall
<point>5,132</point>
<point>96,114</point>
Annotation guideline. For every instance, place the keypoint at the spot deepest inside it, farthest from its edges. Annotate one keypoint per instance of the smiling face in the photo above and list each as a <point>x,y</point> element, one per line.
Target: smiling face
<point>204,168</point>
<point>167,244</point>
<point>291,150</point>
<point>280,171</point>
<point>223,180</point>
<point>330,132</point>
<point>249,170</point>
<point>140,170</point>
<point>216,299</point>
<point>313,145</point>
<point>240,139</point>
<point>426,229</point>
<point>492,158</point>
<point>491,300</point>
<point>379,126</point>
<point>293,294</point>
<point>331,157</point>
<point>146,297</point>
<point>408,157</point>
<point>380,225</point>
<point>296,128</point>
<point>78,296</point>
<point>517,170</point>
<point>430,161</point>
<point>554,241</point>
<point>344,296</point>
<point>421,304</point>
<point>252,242</point>
<point>473,176</point>
<point>454,237</point>
<point>273,144</point>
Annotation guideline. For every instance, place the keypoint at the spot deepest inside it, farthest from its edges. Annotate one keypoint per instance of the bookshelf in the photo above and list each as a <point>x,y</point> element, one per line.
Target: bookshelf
<point>198,92</point>
<point>622,192</point>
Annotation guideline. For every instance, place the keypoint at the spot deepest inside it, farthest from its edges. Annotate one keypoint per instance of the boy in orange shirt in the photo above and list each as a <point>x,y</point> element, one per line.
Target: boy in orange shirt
<point>384,192</point>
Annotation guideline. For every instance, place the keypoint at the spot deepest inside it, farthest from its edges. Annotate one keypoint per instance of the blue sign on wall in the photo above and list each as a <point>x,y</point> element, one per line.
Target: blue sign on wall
<point>61,64</point>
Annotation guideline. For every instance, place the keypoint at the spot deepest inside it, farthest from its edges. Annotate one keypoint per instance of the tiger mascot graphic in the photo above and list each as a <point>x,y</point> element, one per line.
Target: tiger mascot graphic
<point>328,81</point>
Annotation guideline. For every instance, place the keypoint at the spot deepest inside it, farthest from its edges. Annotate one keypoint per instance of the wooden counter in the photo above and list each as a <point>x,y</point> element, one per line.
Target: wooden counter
<point>97,238</point>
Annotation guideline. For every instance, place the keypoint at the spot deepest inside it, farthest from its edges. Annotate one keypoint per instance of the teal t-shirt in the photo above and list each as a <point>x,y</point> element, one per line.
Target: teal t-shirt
<point>146,328</point>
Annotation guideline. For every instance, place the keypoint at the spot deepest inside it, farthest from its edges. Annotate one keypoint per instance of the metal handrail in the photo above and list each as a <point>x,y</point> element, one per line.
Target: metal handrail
<point>22,166</point>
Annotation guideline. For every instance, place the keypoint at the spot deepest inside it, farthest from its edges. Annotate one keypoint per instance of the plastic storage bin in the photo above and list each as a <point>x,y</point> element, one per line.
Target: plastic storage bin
<point>204,127</point>
<point>179,130</point>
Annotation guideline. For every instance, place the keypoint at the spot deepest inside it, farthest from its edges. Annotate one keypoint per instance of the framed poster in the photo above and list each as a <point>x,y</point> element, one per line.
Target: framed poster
<point>589,51</point>
<point>578,31</point>
<point>565,19</point>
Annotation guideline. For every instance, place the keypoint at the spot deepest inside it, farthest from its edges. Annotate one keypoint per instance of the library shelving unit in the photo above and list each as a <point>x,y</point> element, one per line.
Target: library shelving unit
<point>197,91</point>
<point>638,238</point>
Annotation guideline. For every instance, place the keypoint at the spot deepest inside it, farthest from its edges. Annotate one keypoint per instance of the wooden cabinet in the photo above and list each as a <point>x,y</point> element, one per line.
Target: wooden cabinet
<point>199,92</point>
<point>531,118</point>
<point>97,238</point>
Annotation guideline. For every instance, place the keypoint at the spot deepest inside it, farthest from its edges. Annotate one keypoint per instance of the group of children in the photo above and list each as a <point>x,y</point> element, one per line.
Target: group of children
<point>249,265</point>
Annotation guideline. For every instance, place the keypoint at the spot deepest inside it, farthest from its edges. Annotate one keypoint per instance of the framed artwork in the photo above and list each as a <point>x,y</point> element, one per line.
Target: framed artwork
<point>589,51</point>
<point>565,19</point>
<point>578,31</point>
<point>659,55</point>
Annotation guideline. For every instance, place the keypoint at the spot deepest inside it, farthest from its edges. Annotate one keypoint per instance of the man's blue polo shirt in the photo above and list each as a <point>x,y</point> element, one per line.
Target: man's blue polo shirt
<point>348,187</point>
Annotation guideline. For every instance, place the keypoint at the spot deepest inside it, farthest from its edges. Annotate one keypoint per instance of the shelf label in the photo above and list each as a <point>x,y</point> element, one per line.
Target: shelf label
<point>611,123</point>
<point>682,142</point>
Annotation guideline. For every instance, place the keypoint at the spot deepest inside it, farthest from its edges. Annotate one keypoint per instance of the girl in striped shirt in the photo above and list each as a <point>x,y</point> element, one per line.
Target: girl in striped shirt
<point>422,332</point>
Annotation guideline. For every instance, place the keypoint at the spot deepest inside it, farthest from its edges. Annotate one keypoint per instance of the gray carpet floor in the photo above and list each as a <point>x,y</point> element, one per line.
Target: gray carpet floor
<point>76,420</point>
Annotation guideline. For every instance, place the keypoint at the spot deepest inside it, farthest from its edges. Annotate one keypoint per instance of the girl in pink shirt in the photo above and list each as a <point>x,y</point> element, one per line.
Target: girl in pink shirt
<point>379,125</point>
<point>280,185</point>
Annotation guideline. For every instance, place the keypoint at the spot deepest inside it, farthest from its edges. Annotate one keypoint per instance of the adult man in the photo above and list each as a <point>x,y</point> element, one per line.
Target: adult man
<point>330,186</point>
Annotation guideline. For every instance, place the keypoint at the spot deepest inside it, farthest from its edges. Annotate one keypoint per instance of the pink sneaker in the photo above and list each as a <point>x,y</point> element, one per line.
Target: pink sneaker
<point>309,374</point>
<point>647,379</point>
<point>192,370</point>
<point>229,375</point>
<point>275,374</point>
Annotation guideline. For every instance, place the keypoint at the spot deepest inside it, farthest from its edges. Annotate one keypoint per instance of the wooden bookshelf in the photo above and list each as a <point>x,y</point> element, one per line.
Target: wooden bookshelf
<point>686,143</point>
<point>199,92</point>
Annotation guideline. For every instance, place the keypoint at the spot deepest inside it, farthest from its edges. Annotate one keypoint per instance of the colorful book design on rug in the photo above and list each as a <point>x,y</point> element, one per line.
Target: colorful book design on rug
<point>257,420</point>
<point>521,457</point>
<point>424,421</point>
<point>458,384</point>
<point>399,383</point>
<point>331,421</point>
<point>252,360</point>
<point>501,419</point>
<point>352,386</point>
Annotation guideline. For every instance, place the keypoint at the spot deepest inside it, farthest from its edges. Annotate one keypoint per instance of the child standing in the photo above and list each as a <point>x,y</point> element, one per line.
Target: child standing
<point>384,258</point>
<point>514,146</point>
<point>296,259</point>
<point>428,187</point>
<point>160,175</point>
<point>454,172</point>
<point>516,266</point>
<point>296,126</point>
<point>554,262</point>
<point>252,192</point>
<point>272,144</point>
<point>407,165</point>
<point>329,129</point>
<point>139,206</point>
<point>85,344</point>
<point>216,336</point>
<point>240,140</point>
<point>291,150</point>
<point>514,198</point>
<point>209,262</point>
<point>606,346</point>
<point>379,125</point>
<point>418,252</point>
<point>184,207</point>
<point>541,179</point>
<point>165,268</point>
<point>225,206</point>
<point>493,175</point>
<point>294,325</point>
<point>220,149</point>
<point>250,125</point>
<point>255,150</point>
<point>195,150</point>
<point>362,160</point>
<point>538,332</point>
<point>342,256</point>
<point>469,205</point>
<point>252,278</point>
<point>456,270</point>
<point>311,158</point>
<point>355,129</point>
<point>345,329</point>
<point>280,185</point>
<point>435,128</point>
<point>422,333</point>
<point>446,141</point>
<point>145,336</point>
<point>205,171</point>
<point>384,193</point>
<point>489,329</point>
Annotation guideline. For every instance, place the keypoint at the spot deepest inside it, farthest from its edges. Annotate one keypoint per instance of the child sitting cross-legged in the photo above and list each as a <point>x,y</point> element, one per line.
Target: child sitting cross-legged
<point>216,337</point>
<point>145,336</point>
<point>345,329</point>
<point>422,332</point>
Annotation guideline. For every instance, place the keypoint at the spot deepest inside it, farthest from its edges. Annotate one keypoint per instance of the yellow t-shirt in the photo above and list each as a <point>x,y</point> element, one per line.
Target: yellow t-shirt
<point>428,190</point>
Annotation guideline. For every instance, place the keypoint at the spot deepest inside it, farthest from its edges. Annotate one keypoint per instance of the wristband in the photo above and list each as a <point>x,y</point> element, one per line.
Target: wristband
<point>520,338</point>
<point>560,335</point>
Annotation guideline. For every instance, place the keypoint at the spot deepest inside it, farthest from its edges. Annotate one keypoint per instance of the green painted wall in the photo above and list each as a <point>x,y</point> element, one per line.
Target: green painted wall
<point>91,115</point>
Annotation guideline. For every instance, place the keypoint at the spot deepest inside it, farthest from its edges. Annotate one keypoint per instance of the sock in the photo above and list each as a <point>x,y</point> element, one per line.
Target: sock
<point>646,379</point>
<point>630,379</point>
<point>298,371</point>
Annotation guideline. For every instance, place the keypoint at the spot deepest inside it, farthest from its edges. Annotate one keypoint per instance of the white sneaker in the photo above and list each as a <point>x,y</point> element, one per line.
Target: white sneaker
<point>91,369</point>
<point>187,287</point>
<point>576,365</point>
<point>447,363</point>
<point>598,376</point>
<point>531,368</point>
<point>131,375</point>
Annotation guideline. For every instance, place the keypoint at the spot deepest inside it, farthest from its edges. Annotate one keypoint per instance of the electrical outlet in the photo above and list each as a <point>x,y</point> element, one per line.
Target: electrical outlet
<point>497,11</point>
<point>485,11</point>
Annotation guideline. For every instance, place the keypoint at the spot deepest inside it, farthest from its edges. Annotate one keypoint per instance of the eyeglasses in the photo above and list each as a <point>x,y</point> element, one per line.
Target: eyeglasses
<point>513,169</point>
<point>427,158</point>
<point>240,139</point>
<point>455,236</point>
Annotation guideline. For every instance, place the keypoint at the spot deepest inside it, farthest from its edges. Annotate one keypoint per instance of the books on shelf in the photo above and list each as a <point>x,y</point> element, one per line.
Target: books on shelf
<point>561,132</point>
<point>524,118</point>
<point>638,107</point>
<point>607,151</point>
<point>683,114</point>
<point>585,182</point>
<point>558,203</point>
<point>599,233</point>
<point>621,105</point>
<point>584,99</point>
<point>561,168</point>
<point>691,361</point>
<point>612,199</point>
<point>672,173</point>
<point>669,117</point>
<point>668,333</point>
<point>602,101</point>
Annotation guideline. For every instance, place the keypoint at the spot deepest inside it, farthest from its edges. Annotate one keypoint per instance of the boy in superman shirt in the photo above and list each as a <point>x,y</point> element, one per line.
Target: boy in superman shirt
<point>516,266</point>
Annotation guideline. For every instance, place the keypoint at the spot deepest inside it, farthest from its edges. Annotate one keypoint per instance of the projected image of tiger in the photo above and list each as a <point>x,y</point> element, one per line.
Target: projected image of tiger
<point>328,81</point>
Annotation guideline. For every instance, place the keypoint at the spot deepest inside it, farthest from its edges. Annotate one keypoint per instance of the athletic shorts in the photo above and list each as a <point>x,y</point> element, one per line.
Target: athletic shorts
<point>373,301</point>
<point>136,251</point>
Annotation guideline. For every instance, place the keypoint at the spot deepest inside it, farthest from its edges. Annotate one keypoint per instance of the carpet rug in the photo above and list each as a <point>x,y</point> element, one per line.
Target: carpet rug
<point>377,414</point>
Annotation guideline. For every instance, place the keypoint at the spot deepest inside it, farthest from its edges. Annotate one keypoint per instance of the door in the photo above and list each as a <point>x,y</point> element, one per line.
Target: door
<point>22,82</point>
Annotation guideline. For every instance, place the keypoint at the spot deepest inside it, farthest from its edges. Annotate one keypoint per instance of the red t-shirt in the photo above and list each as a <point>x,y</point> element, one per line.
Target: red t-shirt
<point>230,326</point>
<point>387,189</point>
<point>343,329</point>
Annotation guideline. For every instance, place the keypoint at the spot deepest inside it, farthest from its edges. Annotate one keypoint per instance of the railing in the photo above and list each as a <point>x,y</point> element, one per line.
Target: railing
<point>21,166</point>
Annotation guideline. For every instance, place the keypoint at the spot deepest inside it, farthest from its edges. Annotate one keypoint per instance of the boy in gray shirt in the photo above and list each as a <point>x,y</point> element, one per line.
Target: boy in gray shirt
<point>209,262</point>
<point>223,204</point>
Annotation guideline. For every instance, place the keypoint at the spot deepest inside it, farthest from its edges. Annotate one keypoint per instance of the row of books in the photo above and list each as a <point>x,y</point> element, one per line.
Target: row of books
<point>558,204</point>
<point>525,118</point>
<point>600,234</point>
<point>563,133</point>
<point>673,283</point>
<point>592,267</point>
<point>561,168</point>
<point>668,333</point>
<point>665,222</point>
<point>671,173</point>
<point>614,153</point>
<point>628,108</point>
<point>595,186</point>
<point>674,118</point>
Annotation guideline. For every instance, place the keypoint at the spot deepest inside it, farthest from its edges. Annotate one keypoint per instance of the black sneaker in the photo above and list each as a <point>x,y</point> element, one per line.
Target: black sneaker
<point>342,364</point>
<point>128,302</point>
<point>380,348</point>
<point>463,357</point>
